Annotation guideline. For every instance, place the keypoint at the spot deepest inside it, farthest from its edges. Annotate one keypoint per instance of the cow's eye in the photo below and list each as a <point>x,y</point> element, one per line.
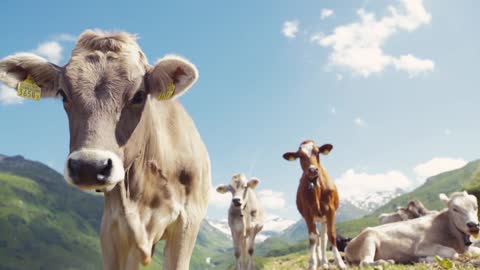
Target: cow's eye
<point>455,209</point>
<point>61,93</point>
<point>139,98</point>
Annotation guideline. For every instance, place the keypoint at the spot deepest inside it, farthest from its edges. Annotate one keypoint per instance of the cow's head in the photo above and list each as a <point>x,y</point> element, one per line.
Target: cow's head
<point>463,212</point>
<point>239,187</point>
<point>108,91</point>
<point>309,155</point>
<point>416,208</point>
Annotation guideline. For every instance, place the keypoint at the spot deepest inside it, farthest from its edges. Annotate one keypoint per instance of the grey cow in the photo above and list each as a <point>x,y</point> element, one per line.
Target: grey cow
<point>245,217</point>
<point>445,234</point>
<point>131,140</point>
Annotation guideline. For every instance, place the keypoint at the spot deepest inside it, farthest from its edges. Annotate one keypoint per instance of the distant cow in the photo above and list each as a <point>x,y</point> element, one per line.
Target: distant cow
<point>317,201</point>
<point>131,140</point>
<point>414,209</point>
<point>245,218</point>
<point>342,243</point>
<point>446,234</point>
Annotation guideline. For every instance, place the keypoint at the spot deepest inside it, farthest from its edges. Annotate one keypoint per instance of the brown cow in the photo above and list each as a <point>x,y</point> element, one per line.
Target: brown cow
<point>317,201</point>
<point>144,154</point>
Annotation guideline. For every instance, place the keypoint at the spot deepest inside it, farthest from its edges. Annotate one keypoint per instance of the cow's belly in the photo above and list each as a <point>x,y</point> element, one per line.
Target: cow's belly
<point>398,242</point>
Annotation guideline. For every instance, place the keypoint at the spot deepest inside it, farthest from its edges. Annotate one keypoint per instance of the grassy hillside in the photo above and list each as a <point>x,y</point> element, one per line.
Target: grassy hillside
<point>46,224</point>
<point>447,182</point>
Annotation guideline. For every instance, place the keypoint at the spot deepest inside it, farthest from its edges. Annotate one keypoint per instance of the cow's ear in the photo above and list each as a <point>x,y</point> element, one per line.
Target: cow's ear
<point>325,149</point>
<point>444,198</point>
<point>18,67</point>
<point>222,189</point>
<point>171,77</point>
<point>290,156</point>
<point>253,183</point>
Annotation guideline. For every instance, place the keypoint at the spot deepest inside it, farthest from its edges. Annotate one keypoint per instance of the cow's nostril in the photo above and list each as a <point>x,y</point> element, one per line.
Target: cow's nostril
<point>472,224</point>
<point>236,202</point>
<point>74,166</point>
<point>106,170</point>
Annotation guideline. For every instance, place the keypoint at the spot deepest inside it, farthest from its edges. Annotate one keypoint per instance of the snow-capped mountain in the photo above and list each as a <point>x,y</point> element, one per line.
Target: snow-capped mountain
<point>371,201</point>
<point>272,226</point>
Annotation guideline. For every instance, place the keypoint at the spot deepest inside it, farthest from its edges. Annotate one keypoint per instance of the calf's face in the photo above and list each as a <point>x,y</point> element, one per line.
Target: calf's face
<point>309,155</point>
<point>463,211</point>
<point>105,87</point>
<point>238,188</point>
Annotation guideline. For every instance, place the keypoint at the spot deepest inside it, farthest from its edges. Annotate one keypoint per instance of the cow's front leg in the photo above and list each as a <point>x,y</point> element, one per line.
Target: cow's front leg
<point>181,238</point>
<point>237,249</point>
<point>429,251</point>
<point>251,249</point>
<point>332,237</point>
<point>322,247</point>
<point>313,241</point>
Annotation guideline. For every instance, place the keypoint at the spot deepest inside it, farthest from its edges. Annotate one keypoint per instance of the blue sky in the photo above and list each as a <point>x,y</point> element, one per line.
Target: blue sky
<point>391,84</point>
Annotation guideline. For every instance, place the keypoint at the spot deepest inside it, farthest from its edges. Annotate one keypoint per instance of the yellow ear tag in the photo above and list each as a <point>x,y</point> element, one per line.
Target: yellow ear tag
<point>29,89</point>
<point>168,93</point>
<point>291,158</point>
<point>475,235</point>
<point>326,152</point>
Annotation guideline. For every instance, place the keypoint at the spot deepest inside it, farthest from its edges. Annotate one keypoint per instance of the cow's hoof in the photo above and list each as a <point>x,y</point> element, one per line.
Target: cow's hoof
<point>146,260</point>
<point>325,266</point>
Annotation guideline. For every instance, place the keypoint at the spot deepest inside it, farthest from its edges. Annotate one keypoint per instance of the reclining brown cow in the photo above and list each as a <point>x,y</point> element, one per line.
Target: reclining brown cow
<point>317,201</point>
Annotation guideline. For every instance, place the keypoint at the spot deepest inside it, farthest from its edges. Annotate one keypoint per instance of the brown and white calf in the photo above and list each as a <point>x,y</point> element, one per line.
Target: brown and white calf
<point>414,209</point>
<point>317,201</point>
<point>446,234</point>
<point>144,153</point>
<point>245,218</point>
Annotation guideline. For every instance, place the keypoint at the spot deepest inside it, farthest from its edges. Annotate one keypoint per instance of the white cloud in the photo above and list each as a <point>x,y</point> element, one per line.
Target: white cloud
<point>412,65</point>
<point>436,166</point>
<point>359,46</point>
<point>217,200</point>
<point>66,37</point>
<point>317,37</point>
<point>359,122</point>
<point>8,96</point>
<point>326,13</point>
<point>52,50</point>
<point>290,29</point>
<point>271,199</point>
<point>447,132</point>
<point>353,183</point>
<point>339,77</point>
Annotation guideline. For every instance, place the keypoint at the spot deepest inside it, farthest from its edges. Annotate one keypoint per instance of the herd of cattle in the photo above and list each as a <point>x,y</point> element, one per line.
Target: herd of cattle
<point>131,140</point>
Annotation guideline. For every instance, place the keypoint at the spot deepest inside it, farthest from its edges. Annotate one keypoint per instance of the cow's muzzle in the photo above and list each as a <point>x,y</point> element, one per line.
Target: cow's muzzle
<point>473,228</point>
<point>237,202</point>
<point>93,169</point>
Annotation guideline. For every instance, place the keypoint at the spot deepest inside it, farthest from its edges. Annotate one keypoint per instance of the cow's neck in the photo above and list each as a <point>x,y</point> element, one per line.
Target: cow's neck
<point>462,239</point>
<point>137,157</point>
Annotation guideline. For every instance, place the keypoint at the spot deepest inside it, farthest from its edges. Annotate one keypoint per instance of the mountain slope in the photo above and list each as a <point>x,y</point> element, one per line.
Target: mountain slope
<point>47,224</point>
<point>446,182</point>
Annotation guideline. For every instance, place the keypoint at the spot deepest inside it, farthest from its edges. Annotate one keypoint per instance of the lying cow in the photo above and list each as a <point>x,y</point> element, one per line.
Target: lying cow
<point>245,217</point>
<point>317,201</point>
<point>414,209</point>
<point>131,140</point>
<point>446,234</point>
